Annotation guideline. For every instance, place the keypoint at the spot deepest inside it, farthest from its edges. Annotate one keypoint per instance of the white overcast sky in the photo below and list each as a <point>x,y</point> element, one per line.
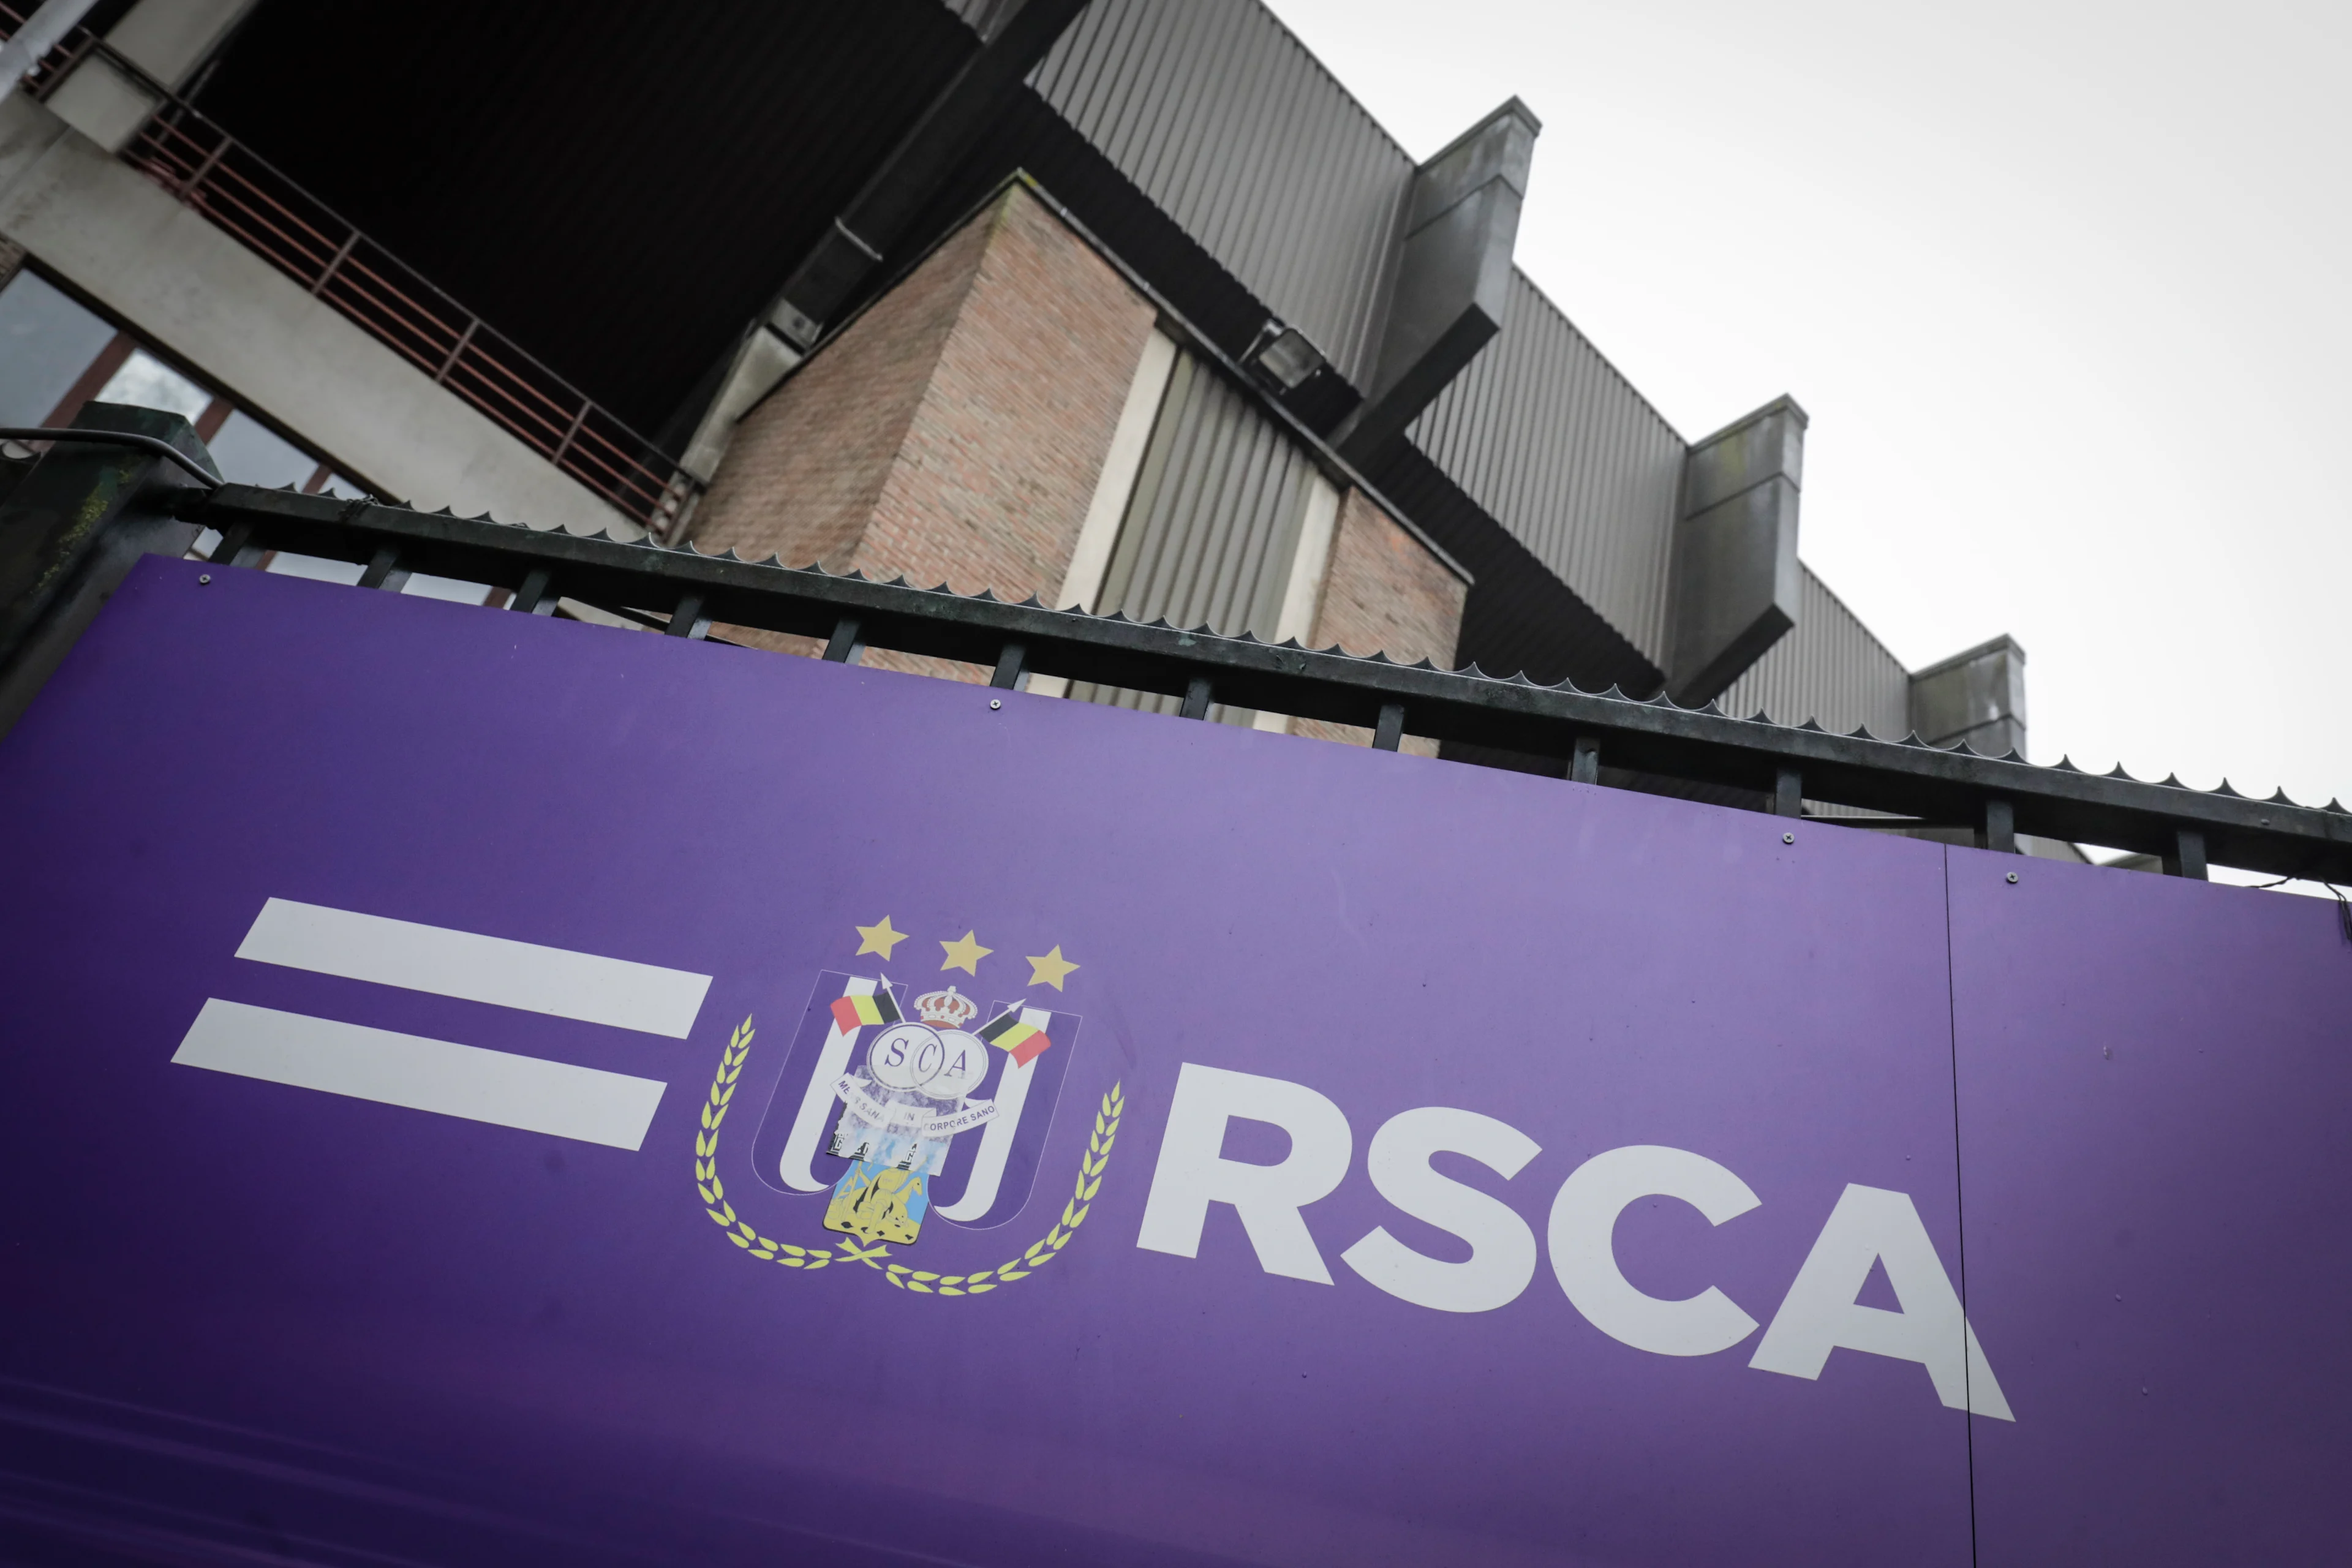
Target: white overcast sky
<point>2066,289</point>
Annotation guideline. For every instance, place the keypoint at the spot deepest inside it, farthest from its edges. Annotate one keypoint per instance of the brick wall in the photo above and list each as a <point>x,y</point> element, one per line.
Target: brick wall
<point>1003,455</point>
<point>955,432</point>
<point>1384,593</point>
<point>808,463</point>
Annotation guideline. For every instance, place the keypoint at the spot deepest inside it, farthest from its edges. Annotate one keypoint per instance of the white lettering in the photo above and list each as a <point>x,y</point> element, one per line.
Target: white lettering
<point>1584,1247</point>
<point>1502,1248</point>
<point>1871,1224</point>
<point>1193,1172</point>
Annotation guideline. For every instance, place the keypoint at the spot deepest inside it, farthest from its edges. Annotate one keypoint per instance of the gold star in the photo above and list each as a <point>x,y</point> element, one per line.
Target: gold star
<point>1050,970</point>
<point>879,938</point>
<point>965,954</point>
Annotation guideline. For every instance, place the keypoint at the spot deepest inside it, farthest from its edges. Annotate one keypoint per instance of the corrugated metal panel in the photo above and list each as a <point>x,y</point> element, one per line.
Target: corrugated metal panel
<point>1829,668</point>
<point>1221,117</point>
<point>1214,523</point>
<point>1557,447</point>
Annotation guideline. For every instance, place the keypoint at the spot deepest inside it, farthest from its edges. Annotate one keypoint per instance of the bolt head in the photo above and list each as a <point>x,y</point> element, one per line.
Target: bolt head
<point>2013,875</point>
<point>1788,839</point>
<point>994,703</point>
<point>203,578</point>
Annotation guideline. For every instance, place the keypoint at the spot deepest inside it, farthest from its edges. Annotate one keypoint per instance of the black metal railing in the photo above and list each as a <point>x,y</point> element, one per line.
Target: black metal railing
<point>1595,736</point>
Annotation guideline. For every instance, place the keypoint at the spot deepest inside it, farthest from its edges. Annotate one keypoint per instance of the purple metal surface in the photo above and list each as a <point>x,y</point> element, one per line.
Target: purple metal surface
<point>289,1321</point>
<point>2155,1092</point>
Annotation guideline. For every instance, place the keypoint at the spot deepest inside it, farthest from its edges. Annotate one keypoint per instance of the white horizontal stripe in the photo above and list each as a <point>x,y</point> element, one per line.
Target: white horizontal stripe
<point>520,975</point>
<point>537,1096</point>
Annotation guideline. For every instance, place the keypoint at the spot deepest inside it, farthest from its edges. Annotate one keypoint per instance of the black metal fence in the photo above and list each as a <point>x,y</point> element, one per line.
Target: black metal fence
<point>1599,737</point>
<point>1998,797</point>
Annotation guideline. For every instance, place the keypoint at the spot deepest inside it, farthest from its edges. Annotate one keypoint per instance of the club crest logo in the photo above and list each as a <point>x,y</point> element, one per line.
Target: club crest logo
<point>902,1121</point>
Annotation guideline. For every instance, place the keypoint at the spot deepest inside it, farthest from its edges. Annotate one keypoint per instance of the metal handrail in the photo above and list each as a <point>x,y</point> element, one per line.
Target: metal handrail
<point>271,215</point>
<point>154,444</point>
<point>1655,739</point>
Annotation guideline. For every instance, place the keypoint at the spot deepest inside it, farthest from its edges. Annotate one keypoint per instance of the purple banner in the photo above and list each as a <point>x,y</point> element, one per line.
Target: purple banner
<point>483,1088</point>
<point>2154,1115</point>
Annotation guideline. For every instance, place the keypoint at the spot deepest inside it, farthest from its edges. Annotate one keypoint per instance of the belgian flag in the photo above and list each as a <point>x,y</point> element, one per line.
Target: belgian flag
<point>873,1004</point>
<point>1021,1032</point>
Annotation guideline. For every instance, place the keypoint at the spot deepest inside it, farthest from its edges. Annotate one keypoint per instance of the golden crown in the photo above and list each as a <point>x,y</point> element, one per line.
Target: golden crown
<point>948,1009</point>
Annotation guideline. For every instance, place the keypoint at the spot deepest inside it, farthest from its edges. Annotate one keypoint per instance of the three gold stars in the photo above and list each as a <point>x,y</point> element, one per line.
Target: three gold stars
<point>965,953</point>
<point>879,938</point>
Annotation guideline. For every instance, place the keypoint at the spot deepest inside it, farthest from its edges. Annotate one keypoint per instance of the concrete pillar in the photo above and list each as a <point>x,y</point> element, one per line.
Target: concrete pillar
<point>166,39</point>
<point>1453,274</point>
<point>72,527</point>
<point>1734,582</point>
<point>201,296</point>
<point>35,37</point>
<point>1977,695</point>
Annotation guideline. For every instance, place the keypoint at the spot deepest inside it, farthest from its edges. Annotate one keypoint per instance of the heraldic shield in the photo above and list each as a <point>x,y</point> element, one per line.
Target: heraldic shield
<point>907,1110</point>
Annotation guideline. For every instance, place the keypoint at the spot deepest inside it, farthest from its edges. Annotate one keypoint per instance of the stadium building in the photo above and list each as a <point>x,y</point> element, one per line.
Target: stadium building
<point>1125,305</point>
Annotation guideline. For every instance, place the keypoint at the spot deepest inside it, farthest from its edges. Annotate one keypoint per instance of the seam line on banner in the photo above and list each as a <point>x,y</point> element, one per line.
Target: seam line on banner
<point>1959,1201</point>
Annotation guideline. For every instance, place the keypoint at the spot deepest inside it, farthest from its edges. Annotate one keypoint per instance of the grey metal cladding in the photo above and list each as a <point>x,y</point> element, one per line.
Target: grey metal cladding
<point>1556,446</point>
<point>1828,669</point>
<point>1734,582</point>
<point>1221,116</point>
<point>1212,526</point>
<point>1213,522</point>
<point>1736,588</point>
<point>1225,122</point>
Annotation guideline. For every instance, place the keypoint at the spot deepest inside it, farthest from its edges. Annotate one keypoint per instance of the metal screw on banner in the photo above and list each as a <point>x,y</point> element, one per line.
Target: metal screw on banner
<point>994,703</point>
<point>2013,875</point>
<point>1788,839</point>
<point>203,579</point>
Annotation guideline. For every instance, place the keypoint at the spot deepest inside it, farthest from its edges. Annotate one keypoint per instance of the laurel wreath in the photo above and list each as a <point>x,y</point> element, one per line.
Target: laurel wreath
<point>744,1235</point>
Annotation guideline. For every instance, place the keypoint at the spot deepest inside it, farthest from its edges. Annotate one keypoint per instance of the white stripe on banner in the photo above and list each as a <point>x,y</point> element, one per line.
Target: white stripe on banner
<point>520,975</point>
<point>410,1070</point>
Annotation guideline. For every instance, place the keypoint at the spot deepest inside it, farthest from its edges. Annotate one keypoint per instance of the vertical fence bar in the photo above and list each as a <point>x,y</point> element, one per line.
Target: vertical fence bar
<point>534,589</point>
<point>1788,792</point>
<point>1008,663</point>
<point>688,620</point>
<point>2187,857</point>
<point>383,571</point>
